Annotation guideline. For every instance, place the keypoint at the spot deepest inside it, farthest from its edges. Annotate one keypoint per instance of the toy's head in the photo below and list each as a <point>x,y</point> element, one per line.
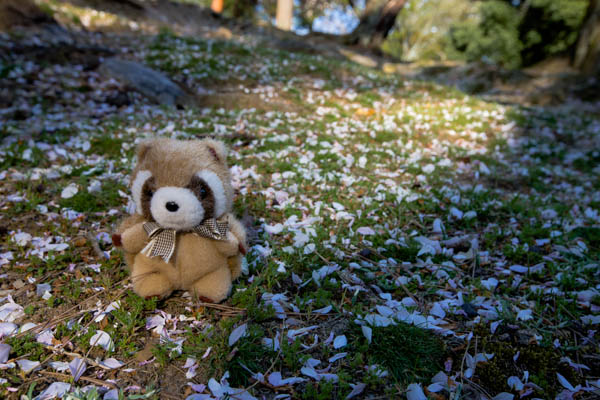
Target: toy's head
<point>179,184</point>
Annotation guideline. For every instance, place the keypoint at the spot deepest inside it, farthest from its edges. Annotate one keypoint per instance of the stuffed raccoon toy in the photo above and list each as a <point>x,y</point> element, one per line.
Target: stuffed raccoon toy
<point>183,235</point>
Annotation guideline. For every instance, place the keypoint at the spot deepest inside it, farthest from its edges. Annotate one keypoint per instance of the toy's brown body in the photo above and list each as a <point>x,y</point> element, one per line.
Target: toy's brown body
<point>204,266</point>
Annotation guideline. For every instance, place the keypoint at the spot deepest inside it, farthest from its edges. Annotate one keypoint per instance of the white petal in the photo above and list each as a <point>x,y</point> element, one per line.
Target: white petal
<point>112,363</point>
<point>563,381</point>
<point>525,315</point>
<point>69,191</point>
<point>274,229</point>
<point>323,310</point>
<point>103,340</point>
<point>438,226</point>
<point>436,387</point>
<point>45,337</point>
<point>415,392</point>
<point>356,389</point>
<point>365,230</point>
<point>368,332</point>
<point>4,352</point>
<point>77,367</point>
<point>336,357</point>
<point>503,396</point>
<point>237,333</point>
<point>340,342</point>
<point>56,389</point>
<point>28,365</point>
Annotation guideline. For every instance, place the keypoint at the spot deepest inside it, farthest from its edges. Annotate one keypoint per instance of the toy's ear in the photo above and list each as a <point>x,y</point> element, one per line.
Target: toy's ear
<point>217,150</point>
<point>143,149</point>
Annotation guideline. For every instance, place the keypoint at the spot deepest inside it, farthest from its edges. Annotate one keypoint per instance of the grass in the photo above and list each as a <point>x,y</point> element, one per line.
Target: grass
<point>409,353</point>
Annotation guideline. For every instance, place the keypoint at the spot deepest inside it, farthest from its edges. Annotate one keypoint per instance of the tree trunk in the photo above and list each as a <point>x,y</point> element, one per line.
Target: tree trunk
<point>376,22</point>
<point>587,51</point>
<point>284,16</point>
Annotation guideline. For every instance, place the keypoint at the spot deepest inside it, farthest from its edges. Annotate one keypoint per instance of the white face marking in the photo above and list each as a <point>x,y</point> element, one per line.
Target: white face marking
<point>136,188</point>
<point>215,184</point>
<point>176,208</point>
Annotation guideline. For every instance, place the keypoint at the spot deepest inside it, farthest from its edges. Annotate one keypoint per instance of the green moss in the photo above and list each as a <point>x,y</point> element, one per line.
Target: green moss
<point>542,363</point>
<point>26,346</point>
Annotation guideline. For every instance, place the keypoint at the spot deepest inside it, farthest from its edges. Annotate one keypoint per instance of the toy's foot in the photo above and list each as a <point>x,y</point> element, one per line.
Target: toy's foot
<point>215,286</point>
<point>151,285</point>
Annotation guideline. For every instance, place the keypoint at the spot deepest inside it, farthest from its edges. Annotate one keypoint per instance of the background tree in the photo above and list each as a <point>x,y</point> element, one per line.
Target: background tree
<point>376,21</point>
<point>285,12</point>
<point>517,34</point>
<point>422,28</point>
<point>587,51</point>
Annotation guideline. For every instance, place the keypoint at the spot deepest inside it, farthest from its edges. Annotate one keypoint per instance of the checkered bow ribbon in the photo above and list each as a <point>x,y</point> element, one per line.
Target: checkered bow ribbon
<point>162,240</point>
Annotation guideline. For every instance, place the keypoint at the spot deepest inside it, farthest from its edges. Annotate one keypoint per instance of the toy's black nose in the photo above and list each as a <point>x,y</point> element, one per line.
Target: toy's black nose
<point>172,206</point>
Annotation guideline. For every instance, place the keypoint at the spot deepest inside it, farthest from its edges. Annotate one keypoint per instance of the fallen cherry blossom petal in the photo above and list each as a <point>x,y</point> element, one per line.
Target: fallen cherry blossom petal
<point>237,333</point>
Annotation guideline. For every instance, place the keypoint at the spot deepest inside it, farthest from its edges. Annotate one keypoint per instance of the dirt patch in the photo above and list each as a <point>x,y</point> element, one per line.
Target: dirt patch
<point>21,13</point>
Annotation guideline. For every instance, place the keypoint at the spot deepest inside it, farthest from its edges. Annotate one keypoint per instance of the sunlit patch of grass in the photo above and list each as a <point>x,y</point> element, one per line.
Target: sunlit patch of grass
<point>84,201</point>
<point>107,146</point>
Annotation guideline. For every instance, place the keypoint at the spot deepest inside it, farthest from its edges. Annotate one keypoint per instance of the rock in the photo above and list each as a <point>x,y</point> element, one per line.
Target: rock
<point>152,84</point>
<point>119,99</point>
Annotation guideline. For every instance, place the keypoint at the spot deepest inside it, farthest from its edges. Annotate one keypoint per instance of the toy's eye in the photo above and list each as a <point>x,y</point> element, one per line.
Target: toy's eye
<point>203,192</point>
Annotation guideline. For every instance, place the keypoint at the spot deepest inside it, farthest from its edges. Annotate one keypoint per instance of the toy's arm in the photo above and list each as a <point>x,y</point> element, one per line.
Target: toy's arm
<point>131,235</point>
<point>134,239</point>
<point>229,247</point>
<point>237,229</point>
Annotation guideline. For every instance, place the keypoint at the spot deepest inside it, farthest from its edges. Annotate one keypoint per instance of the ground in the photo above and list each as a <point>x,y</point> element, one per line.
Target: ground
<point>408,240</point>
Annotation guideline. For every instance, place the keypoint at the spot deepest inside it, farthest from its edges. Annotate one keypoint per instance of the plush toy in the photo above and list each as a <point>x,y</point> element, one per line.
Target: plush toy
<point>183,235</point>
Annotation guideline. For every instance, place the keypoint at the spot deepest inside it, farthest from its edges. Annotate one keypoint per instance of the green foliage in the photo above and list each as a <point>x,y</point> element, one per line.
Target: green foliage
<point>422,27</point>
<point>515,36</point>
<point>550,27</point>
<point>26,346</point>
<point>495,36</point>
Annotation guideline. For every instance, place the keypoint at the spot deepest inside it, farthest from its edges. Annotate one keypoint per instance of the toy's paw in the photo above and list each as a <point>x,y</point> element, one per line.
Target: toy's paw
<point>151,285</point>
<point>214,287</point>
<point>116,239</point>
